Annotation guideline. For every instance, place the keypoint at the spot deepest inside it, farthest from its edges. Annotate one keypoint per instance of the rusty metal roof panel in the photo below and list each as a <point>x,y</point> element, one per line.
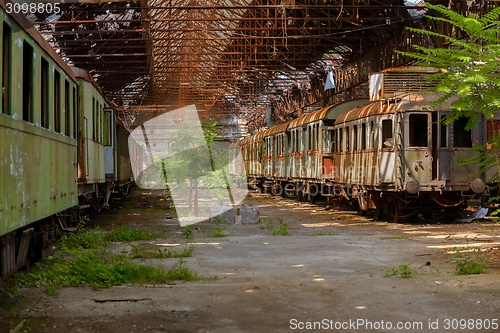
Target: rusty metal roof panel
<point>279,128</point>
<point>330,112</point>
<point>371,109</point>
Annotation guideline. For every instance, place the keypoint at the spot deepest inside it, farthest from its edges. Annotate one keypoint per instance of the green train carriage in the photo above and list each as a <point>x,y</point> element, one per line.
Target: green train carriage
<point>38,142</point>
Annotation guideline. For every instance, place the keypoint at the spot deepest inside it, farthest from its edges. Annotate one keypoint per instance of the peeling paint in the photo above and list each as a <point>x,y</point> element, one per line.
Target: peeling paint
<point>19,42</point>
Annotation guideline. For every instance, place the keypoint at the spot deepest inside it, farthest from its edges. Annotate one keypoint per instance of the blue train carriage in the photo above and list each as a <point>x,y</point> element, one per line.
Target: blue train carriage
<point>38,143</point>
<point>396,156</point>
<point>95,119</point>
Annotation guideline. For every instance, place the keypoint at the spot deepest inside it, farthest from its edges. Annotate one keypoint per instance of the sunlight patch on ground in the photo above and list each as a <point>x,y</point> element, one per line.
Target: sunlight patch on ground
<point>168,244</point>
<point>321,224</point>
<point>471,245</point>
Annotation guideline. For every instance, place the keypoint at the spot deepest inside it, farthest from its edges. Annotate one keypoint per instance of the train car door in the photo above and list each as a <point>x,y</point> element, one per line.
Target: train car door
<point>420,147</point>
<point>109,144</point>
<point>386,150</point>
<point>327,139</point>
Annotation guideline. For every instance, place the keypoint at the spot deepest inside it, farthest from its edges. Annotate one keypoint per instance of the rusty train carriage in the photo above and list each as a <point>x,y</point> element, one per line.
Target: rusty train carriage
<point>390,154</point>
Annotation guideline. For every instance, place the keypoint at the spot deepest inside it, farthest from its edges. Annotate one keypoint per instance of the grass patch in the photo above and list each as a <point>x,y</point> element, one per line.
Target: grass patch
<point>153,251</point>
<point>401,237</point>
<point>321,233</point>
<point>281,230</point>
<point>403,271</point>
<point>219,233</point>
<point>99,270</point>
<point>128,235</point>
<point>187,233</point>
<point>84,239</point>
<point>466,263</point>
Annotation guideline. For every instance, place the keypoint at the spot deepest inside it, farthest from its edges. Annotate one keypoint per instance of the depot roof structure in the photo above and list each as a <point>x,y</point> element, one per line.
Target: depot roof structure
<point>233,59</point>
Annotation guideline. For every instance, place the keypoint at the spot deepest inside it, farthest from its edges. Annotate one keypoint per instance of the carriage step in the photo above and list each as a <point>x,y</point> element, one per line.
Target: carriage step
<point>82,207</point>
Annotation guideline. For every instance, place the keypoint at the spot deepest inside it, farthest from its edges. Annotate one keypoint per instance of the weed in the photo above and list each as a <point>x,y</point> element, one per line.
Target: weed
<point>219,233</point>
<point>282,230</point>
<point>403,271</point>
<point>321,233</point>
<point>99,271</point>
<point>466,263</point>
<point>179,272</point>
<point>217,219</point>
<point>128,235</point>
<point>187,233</point>
<point>395,237</point>
<point>84,239</point>
<point>264,225</point>
<point>152,251</point>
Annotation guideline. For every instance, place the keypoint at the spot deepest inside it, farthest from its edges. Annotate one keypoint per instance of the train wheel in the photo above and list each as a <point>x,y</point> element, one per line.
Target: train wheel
<point>276,189</point>
<point>299,194</point>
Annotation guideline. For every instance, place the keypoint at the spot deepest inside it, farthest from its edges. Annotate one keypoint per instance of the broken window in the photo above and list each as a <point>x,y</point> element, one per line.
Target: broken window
<point>387,139</point>
<point>418,130</point>
<point>461,135</point>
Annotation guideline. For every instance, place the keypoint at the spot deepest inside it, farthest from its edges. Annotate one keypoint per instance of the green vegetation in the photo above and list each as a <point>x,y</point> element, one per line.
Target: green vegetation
<point>83,260</point>
<point>403,271</point>
<point>395,237</point>
<point>321,233</point>
<point>282,230</point>
<point>219,233</point>
<point>153,251</point>
<point>466,262</point>
<point>84,239</point>
<point>187,233</point>
<point>97,238</point>
<point>128,235</point>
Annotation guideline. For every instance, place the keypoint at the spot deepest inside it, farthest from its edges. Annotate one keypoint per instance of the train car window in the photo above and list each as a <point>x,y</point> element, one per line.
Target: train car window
<point>363,136</point>
<point>387,139</point>
<point>418,130</point>
<point>372,136</point>
<point>341,142</point>
<point>107,128</point>
<point>75,112</point>
<point>27,82</point>
<point>66,107</point>
<point>93,118</point>
<point>6,67</point>
<point>443,133</point>
<point>57,101</point>
<point>355,138</point>
<point>461,136</point>
<point>347,139</point>
<point>102,124</point>
<point>44,93</point>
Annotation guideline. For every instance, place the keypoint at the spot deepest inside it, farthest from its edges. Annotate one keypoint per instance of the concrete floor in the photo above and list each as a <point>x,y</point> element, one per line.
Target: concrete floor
<point>329,275</point>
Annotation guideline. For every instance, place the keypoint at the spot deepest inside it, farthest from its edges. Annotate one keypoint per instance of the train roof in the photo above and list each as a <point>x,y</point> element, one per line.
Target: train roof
<point>329,112</point>
<point>26,25</point>
<point>406,102</point>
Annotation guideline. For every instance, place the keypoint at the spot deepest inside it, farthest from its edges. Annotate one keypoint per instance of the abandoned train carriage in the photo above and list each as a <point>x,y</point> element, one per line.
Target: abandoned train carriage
<point>61,149</point>
<point>38,144</point>
<point>391,154</point>
<point>396,152</point>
